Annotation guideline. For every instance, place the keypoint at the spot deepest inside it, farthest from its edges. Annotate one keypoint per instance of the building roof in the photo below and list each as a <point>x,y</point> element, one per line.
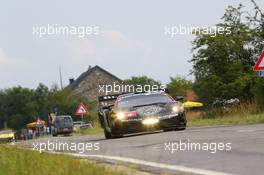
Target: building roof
<point>87,73</point>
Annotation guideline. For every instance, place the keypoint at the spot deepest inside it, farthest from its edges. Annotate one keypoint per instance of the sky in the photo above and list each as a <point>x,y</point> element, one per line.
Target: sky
<point>131,40</point>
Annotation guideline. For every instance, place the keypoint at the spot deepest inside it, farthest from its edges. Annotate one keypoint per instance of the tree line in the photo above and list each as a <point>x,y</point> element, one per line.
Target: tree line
<point>20,106</point>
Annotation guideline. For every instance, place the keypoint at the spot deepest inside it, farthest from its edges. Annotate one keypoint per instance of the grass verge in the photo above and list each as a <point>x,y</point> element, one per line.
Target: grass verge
<point>89,131</point>
<point>25,162</point>
<point>234,119</point>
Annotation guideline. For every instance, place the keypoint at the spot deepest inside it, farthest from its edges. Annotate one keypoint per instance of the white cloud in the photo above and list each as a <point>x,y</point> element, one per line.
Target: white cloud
<point>117,39</point>
<point>110,46</point>
<point>116,43</point>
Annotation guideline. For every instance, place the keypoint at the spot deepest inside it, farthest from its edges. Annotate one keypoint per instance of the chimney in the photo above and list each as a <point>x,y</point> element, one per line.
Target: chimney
<point>71,80</point>
<point>89,67</point>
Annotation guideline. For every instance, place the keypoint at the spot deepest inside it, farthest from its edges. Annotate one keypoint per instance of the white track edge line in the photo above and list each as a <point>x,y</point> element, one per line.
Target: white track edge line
<point>152,164</point>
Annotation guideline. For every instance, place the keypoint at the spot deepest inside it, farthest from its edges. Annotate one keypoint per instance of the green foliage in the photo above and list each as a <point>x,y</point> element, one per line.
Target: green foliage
<point>178,86</point>
<point>222,65</point>
<point>258,90</point>
<point>19,106</point>
<point>141,80</point>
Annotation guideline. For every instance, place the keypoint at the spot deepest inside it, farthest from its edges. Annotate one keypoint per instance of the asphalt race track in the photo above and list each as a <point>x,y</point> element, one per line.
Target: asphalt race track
<point>150,153</point>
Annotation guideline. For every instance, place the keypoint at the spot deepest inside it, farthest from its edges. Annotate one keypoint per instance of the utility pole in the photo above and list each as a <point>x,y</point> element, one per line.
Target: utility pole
<point>60,78</point>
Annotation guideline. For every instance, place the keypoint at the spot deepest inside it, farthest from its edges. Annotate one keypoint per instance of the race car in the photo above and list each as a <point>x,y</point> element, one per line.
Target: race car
<point>7,136</point>
<point>138,112</point>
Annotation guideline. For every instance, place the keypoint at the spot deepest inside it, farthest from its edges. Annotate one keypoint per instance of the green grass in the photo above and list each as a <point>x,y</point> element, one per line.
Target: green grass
<point>26,162</point>
<point>89,131</point>
<point>234,119</point>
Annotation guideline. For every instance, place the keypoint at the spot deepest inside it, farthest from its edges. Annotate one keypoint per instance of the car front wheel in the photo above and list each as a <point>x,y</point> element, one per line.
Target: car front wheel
<point>111,131</point>
<point>107,134</point>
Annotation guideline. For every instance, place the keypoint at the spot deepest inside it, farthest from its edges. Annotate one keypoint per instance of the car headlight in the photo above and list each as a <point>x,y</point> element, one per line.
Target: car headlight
<point>178,108</point>
<point>150,121</point>
<point>120,115</point>
<point>123,115</point>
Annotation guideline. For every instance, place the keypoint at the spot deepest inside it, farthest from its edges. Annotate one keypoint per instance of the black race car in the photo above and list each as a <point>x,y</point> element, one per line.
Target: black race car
<point>132,113</point>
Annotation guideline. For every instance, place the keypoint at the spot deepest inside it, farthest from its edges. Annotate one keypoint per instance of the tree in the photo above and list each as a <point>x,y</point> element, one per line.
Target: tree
<point>141,80</point>
<point>222,65</point>
<point>143,83</point>
<point>41,98</point>
<point>18,106</point>
<point>65,102</point>
<point>178,86</point>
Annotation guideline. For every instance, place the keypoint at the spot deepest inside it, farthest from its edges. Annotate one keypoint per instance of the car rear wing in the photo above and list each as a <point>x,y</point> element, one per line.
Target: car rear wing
<point>106,98</point>
<point>114,96</point>
<point>106,101</point>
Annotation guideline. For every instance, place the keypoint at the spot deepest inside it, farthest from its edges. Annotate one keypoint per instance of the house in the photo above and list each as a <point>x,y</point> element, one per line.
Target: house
<point>88,83</point>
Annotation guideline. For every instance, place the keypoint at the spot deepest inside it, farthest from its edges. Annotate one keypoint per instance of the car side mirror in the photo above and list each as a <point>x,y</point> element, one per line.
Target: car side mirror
<point>179,98</point>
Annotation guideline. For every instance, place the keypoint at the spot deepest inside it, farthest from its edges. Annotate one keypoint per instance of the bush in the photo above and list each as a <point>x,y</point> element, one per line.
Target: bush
<point>259,93</point>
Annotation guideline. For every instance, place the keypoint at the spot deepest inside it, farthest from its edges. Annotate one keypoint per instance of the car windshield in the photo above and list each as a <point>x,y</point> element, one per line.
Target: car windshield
<point>138,100</point>
<point>63,120</point>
